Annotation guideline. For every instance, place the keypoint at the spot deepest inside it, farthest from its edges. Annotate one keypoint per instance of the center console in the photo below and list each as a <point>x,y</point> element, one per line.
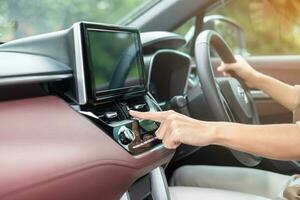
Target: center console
<point>153,186</point>
<point>115,83</point>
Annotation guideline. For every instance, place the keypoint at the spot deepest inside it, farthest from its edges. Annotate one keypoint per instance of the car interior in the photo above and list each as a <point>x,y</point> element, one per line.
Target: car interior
<point>66,92</point>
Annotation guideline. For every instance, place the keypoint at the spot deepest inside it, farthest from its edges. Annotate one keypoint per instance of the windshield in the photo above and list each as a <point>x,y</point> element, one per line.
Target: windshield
<point>20,18</point>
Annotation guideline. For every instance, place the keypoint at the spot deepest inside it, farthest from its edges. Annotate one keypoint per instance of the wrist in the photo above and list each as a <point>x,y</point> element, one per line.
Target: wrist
<point>219,133</point>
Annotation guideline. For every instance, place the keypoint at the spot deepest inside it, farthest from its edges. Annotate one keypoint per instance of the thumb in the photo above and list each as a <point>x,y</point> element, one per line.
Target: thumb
<point>220,68</point>
<point>228,67</point>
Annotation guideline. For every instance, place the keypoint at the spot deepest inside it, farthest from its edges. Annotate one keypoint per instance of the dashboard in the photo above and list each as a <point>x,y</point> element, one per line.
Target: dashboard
<point>70,92</point>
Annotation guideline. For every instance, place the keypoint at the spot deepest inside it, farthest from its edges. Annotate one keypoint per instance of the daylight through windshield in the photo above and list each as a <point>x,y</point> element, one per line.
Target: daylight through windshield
<point>20,18</point>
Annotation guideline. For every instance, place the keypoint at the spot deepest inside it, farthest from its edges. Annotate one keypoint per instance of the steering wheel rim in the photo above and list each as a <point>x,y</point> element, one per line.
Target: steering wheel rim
<point>211,90</point>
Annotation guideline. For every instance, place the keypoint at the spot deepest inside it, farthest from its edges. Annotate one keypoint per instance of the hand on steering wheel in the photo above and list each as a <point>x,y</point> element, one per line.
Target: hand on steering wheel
<point>240,68</point>
<point>233,103</point>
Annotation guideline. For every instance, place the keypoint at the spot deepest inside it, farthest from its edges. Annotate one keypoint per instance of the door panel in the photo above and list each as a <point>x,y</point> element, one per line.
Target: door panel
<point>271,112</point>
<point>284,68</point>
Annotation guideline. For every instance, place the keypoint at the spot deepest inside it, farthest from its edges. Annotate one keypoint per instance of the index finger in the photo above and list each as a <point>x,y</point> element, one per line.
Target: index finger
<point>153,116</point>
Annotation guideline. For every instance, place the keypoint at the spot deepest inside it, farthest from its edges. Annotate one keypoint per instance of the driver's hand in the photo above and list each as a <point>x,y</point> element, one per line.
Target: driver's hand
<point>176,128</point>
<point>242,69</point>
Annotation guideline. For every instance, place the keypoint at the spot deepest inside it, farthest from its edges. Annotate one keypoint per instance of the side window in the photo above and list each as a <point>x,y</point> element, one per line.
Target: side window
<point>186,30</point>
<point>271,26</point>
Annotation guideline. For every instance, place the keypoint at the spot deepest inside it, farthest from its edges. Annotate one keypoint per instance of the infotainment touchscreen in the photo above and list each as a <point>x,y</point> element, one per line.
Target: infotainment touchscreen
<point>115,61</point>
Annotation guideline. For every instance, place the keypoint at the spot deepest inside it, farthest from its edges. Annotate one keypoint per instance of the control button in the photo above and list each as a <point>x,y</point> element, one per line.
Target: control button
<point>126,136</point>
<point>139,106</point>
<point>110,115</point>
<point>124,107</point>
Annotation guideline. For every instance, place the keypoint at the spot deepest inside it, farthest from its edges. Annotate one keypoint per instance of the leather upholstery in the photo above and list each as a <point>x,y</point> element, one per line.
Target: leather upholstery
<point>196,193</point>
<point>49,151</point>
<point>237,179</point>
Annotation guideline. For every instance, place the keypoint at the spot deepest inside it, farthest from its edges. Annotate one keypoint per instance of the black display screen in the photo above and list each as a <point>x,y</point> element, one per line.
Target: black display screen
<point>115,60</point>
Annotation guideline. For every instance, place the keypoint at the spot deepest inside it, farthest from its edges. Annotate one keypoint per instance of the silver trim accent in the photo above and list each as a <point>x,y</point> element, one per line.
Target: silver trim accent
<point>125,196</point>
<point>110,25</point>
<point>110,115</point>
<point>259,95</point>
<point>159,186</point>
<point>139,106</point>
<point>108,30</point>
<point>144,143</point>
<point>90,114</point>
<point>33,79</point>
<point>158,148</point>
<point>79,68</point>
<point>297,163</point>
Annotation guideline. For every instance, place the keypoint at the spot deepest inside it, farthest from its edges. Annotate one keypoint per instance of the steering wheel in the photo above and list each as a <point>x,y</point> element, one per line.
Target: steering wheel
<point>227,98</point>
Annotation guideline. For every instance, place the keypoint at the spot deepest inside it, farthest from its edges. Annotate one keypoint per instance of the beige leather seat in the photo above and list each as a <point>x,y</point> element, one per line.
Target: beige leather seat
<point>196,193</point>
<point>213,182</point>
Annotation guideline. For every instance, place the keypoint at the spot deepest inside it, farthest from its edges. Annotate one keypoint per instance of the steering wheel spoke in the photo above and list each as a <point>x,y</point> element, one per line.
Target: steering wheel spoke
<point>230,114</point>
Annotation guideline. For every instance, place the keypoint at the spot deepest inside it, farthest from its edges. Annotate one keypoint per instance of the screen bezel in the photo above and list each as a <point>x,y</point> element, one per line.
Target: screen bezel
<point>95,96</point>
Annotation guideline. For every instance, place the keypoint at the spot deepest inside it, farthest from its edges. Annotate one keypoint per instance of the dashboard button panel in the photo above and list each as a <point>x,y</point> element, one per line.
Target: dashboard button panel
<point>134,135</point>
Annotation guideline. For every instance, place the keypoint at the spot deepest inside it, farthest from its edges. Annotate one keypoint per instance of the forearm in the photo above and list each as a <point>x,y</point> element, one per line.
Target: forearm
<point>281,141</point>
<point>283,93</point>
